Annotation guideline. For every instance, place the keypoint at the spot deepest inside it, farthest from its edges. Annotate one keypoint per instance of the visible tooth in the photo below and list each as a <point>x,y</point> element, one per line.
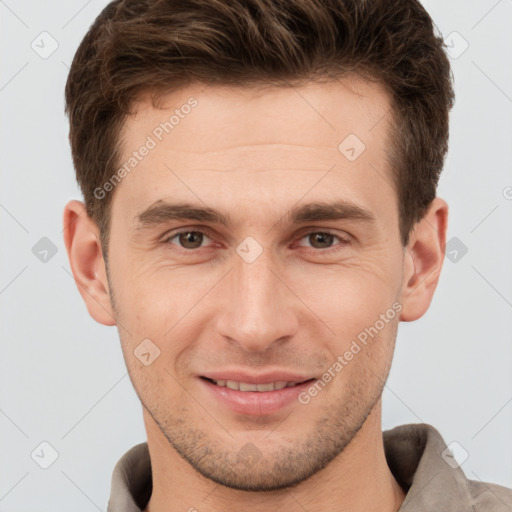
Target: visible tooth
<point>244,386</point>
<point>266,387</point>
<point>231,384</point>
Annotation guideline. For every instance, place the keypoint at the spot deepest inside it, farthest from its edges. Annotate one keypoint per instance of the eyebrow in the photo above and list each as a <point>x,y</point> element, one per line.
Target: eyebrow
<point>161,212</point>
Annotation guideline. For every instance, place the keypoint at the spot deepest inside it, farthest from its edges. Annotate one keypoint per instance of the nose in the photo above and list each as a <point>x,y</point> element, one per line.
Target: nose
<point>258,308</point>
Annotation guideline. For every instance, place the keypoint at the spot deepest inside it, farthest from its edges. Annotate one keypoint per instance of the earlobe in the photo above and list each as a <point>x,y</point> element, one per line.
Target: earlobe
<point>424,258</point>
<point>81,237</point>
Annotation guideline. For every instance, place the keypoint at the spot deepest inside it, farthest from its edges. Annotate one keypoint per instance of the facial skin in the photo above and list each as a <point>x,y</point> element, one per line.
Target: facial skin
<point>255,155</point>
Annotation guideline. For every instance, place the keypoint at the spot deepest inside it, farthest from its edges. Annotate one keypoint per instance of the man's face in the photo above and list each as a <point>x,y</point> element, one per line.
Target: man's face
<point>270,296</point>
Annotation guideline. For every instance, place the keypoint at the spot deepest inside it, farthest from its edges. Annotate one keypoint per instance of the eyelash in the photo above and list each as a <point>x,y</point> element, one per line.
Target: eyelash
<point>342,241</point>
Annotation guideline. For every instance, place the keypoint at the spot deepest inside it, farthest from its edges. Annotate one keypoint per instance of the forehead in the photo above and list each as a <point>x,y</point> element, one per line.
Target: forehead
<point>255,144</point>
<point>313,114</point>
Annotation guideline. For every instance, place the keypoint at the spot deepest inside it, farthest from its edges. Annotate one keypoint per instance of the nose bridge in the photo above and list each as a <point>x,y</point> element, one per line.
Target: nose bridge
<point>259,308</point>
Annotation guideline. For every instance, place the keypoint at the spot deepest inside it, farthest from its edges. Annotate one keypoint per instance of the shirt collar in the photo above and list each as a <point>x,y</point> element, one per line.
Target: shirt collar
<point>424,466</point>
<point>132,481</point>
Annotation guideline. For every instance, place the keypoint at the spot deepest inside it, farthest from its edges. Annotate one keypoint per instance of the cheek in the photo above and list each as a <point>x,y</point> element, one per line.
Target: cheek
<point>166,312</point>
<point>350,297</point>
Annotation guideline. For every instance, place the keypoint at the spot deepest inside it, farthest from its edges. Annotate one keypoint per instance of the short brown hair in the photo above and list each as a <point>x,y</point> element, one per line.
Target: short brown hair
<point>136,47</point>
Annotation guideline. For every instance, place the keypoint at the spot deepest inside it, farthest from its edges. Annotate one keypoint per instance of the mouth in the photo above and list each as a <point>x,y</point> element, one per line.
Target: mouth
<point>254,399</point>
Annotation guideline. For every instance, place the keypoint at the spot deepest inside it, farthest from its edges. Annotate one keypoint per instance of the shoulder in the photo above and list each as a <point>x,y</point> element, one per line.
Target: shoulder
<point>425,466</point>
<point>488,497</point>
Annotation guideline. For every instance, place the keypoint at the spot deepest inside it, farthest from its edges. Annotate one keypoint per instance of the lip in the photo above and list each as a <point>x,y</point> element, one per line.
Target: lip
<point>255,403</point>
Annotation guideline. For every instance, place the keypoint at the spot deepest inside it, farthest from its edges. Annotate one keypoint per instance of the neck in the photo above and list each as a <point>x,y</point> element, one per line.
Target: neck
<point>358,479</point>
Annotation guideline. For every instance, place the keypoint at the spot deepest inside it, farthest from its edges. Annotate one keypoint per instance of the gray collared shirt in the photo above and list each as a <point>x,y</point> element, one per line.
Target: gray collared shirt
<point>416,454</point>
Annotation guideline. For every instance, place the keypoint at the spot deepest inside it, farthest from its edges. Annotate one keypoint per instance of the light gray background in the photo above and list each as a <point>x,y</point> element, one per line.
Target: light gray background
<point>63,378</point>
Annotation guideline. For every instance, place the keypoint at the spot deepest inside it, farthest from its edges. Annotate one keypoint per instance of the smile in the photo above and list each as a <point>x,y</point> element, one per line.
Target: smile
<point>246,386</point>
<point>254,398</point>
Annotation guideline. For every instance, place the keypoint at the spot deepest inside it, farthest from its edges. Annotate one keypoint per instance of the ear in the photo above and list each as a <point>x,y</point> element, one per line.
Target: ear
<point>81,237</point>
<point>424,256</point>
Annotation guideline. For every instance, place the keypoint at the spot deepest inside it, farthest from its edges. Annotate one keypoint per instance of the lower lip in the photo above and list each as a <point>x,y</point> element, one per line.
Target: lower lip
<point>255,403</point>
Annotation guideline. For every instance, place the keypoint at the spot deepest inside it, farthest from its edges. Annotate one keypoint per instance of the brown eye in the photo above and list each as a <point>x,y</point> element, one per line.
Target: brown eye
<point>188,239</point>
<point>191,239</point>
<point>321,240</point>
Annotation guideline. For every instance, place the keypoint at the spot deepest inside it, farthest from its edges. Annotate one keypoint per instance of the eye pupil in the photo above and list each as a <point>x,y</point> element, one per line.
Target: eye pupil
<point>322,238</point>
<point>187,237</point>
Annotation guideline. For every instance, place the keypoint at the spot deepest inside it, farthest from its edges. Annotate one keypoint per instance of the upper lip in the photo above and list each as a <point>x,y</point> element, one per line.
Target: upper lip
<point>251,378</point>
